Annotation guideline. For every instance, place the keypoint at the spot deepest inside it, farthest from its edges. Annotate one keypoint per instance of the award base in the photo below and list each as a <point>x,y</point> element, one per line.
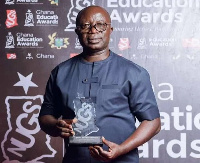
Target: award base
<point>85,141</point>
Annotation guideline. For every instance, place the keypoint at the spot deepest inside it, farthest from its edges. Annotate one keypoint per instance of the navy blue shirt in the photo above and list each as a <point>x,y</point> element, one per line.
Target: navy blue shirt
<point>121,91</point>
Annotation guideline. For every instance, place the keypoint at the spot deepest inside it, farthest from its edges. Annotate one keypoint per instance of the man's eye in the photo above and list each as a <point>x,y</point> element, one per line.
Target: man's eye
<point>85,26</point>
<point>100,25</point>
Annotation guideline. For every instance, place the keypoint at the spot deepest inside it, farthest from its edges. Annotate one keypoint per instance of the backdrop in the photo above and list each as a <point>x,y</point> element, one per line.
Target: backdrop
<point>161,35</point>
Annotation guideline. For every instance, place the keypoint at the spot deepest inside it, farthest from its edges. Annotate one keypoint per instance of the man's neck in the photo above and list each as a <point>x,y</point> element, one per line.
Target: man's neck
<point>96,56</point>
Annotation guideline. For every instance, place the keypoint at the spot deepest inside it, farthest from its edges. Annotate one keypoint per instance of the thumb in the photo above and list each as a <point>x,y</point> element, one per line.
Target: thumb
<point>106,142</point>
<point>75,120</point>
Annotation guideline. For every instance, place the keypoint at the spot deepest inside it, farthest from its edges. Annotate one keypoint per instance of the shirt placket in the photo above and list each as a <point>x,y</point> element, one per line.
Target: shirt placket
<point>92,83</point>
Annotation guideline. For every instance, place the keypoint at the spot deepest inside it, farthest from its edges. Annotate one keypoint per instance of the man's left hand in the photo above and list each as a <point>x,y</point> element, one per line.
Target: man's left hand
<point>99,154</point>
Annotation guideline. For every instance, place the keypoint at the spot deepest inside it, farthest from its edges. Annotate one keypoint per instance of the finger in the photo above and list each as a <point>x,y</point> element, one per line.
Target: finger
<point>65,135</point>
<point>103,153</point>
<point>75,120</point>
<point>93,154</point>
<point>96,155</point>
<point>106,142</point>
<point>94,150</point>
<point>100,150</point>
<point>68,121</point>
<point>65,131</point>
<point>61,123</point>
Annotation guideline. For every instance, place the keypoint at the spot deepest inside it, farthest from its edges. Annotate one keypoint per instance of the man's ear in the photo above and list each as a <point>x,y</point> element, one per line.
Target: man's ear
<point>111,29</point>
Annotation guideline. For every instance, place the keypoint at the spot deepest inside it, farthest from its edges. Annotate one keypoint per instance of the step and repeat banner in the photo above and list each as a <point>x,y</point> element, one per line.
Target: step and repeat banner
<point>161,35</point>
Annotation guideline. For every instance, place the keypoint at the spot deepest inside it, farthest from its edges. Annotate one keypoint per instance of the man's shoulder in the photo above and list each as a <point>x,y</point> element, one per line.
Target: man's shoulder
<point>127,64</point>
<point>67,64</point>
<point>69,61</point>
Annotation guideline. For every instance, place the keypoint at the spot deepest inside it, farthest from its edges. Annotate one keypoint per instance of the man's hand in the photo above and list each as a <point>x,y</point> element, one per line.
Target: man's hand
<point>99,154</point>
<point>65,128</point>
<point>50,125</point>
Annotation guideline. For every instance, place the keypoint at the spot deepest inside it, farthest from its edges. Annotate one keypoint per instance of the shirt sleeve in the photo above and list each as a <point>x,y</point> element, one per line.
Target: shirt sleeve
<point>142,100</point>
<point>50,105</point>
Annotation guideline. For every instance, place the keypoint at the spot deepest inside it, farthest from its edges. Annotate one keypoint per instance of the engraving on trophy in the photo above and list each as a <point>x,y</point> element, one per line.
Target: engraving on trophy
<point>85,115</point>
<point>84,123</point>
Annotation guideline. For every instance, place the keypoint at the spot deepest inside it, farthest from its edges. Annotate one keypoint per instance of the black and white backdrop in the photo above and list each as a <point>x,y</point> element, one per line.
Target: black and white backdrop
<point>161,35</point>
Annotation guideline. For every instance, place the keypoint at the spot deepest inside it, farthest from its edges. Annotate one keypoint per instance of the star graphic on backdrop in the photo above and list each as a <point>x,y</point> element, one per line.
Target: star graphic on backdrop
<point>25,82</point>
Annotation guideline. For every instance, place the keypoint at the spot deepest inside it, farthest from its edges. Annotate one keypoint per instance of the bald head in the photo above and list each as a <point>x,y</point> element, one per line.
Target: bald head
<point>93,27</point>
<point>90,11</point>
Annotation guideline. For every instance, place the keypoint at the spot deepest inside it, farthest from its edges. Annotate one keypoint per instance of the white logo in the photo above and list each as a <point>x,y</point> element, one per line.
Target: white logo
<point>44,56</point>
<point>29,19</point>
<point>29,56</point>
<point>10,41</point>
<point>142,43</point>
<point>77,44</point>
<point>85,115</point>
<point>28,40</point>
<point>20,138</point>
<point>27,2</point>
<point>46,18</point>
<point>161,42</point>
<point>9,2</point>
<point>76,6</point>
<point>25,82</point>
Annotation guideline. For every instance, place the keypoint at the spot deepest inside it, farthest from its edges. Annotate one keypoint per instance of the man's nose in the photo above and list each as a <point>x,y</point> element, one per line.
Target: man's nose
<point>92,29</point>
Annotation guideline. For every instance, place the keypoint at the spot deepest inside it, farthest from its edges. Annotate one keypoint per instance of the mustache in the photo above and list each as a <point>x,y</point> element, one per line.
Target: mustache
<point>93,38</point>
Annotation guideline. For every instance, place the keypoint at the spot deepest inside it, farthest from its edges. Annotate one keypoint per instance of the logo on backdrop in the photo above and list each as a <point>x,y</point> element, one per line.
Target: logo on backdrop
<point>29,56</point>
<point>77,44</point>
<point>191,43</point>
<point>29,21</point>
<point>54,2</point>
<point>155,42</point>
<point>162,42</point>
<point>46,18</point>
<point>58,42</point>
<point>25,82</point>
<point>76,6</point>
<point>146,12</point>
<point>23,132</point>
<point>124,44</point>
<point>28,40</point>
<point>11,20</point>
<point>12,2</point>
<point>10,41</point>
<point>40,56</point>
<point>113,42</point>
<point>9,2</point>
<point>11,56</point>
<point>142,43</point>
<point>43,18</point>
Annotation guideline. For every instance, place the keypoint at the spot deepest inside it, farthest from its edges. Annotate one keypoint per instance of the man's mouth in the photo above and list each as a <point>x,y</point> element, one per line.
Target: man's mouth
<point>94,40</point>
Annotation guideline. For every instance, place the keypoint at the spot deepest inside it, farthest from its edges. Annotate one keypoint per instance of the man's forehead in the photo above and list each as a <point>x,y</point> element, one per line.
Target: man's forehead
<point>93,13</point>
<point>94,17</point>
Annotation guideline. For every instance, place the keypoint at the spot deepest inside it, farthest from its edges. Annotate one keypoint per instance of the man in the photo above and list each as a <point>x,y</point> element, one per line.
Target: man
<point>119,89</point>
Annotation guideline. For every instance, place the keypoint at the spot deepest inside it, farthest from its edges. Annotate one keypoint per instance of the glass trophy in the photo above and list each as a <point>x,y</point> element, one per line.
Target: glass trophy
<point>85,124</point>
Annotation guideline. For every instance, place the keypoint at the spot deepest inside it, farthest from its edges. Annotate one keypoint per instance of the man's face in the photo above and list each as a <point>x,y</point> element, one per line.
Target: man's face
<point>92,39</point>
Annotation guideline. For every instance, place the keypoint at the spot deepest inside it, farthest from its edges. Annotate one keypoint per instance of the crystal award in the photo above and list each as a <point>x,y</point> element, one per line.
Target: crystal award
<point>85,124</point>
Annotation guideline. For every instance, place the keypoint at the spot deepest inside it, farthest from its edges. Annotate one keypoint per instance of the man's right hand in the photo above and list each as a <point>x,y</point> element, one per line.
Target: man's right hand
<point>51,126</point>
<point>65,128</point>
